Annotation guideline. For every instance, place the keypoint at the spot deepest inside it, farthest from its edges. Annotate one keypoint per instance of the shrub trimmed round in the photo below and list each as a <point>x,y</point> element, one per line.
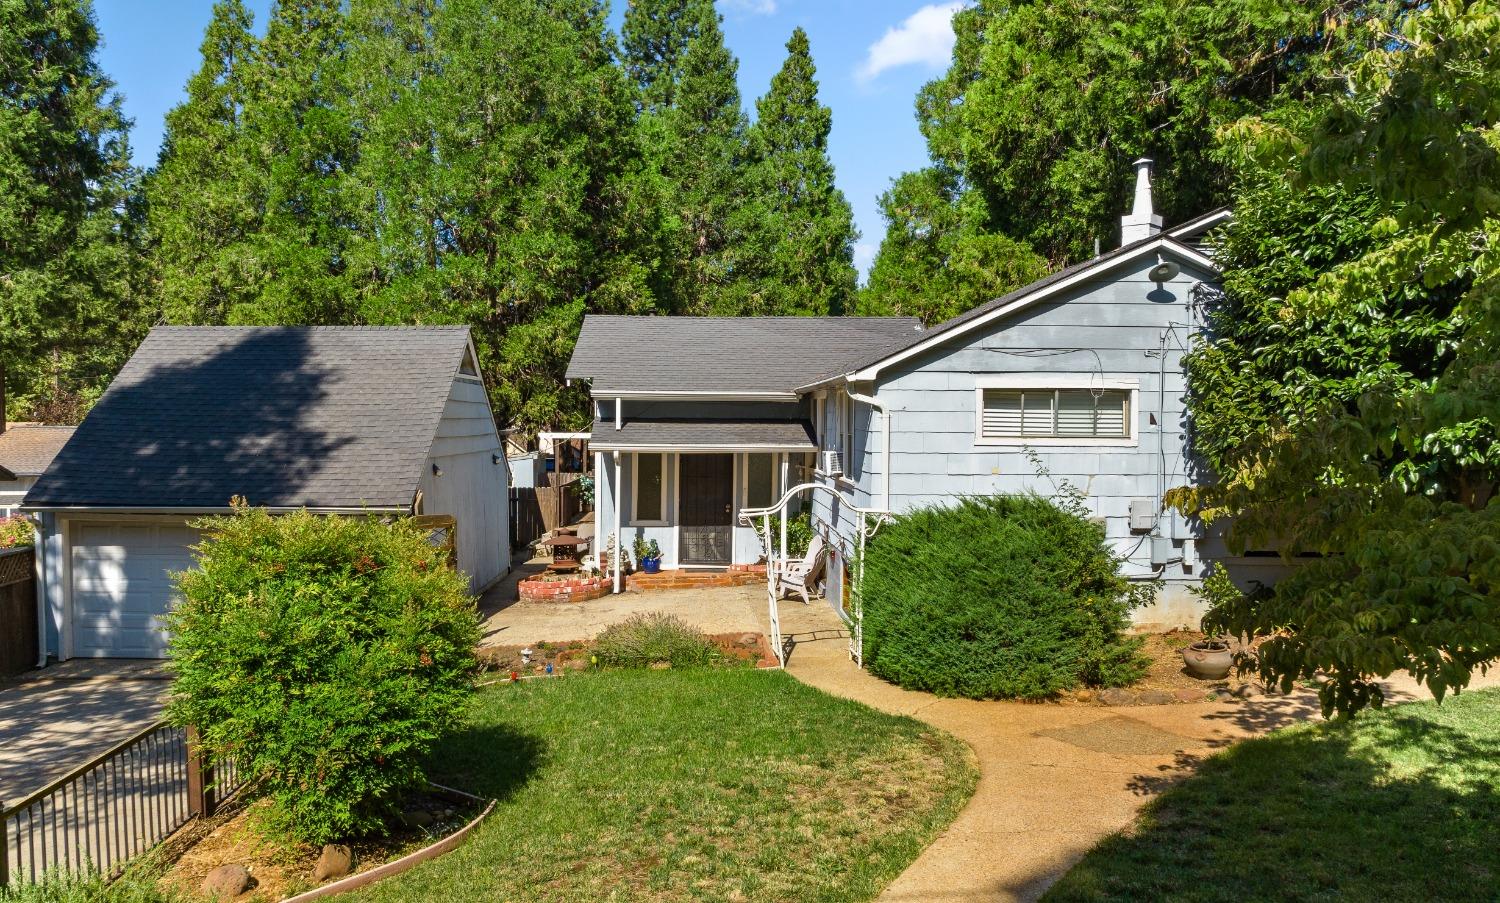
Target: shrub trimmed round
<point>327,655</point>
<point>997,597</point>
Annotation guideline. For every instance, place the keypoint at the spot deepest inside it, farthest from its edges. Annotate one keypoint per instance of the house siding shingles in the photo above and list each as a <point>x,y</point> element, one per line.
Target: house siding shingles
<point>322,417</point>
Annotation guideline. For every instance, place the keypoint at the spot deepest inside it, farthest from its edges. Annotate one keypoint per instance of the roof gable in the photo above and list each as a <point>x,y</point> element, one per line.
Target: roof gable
<point>26,449</point>
<point>725,355</point>
<point>1019,299</point>
<point>318,417</point>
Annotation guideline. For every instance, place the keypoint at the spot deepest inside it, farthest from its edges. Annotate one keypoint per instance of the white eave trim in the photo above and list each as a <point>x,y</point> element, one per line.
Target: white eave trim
<point>689,449</point>
<point>1163,242</point>
<point>190,510</point>
<point>678,395</point>
<point>1199,225</point>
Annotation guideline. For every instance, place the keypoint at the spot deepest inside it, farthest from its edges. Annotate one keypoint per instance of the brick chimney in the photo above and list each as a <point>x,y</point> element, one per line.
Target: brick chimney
<point>1141,222</point>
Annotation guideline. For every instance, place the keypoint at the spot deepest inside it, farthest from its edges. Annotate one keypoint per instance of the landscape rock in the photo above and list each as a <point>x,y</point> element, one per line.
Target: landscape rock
<point>1189,695</point>
<point>1084,695</point>
<point>660,666</point>
<point>419,818</point>
<point>1250,690</point>
<point>748,640</point>
<point>1116,696</point>
<point>1156,697</point>
<point>336,861</point>
<point>226,882</point>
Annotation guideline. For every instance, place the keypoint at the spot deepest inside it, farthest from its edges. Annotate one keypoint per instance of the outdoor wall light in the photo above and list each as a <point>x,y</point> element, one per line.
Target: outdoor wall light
<point>494,458</point>
<point>436,470</point>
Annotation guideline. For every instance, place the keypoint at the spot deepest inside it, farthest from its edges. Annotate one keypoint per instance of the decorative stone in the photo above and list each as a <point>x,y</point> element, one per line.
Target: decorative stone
<point>226,882</point>
<point>419,818</point>
<point>748,640</point>
<point>660,666</point>
<point>1190,695</point>
<point>1116,696</point>
<point>336,861</point>
<point>1084,695</point>
<point>1155,697</point>
<point>1250,690</point>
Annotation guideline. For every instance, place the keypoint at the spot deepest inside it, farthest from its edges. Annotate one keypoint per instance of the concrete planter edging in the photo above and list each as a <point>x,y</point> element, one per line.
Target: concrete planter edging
<point>397,866</point>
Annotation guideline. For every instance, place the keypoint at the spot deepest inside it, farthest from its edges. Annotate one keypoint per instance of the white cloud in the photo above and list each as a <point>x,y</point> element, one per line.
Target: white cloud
<point>926,37</point>
<point>864,258</point>
<point>753,7</point>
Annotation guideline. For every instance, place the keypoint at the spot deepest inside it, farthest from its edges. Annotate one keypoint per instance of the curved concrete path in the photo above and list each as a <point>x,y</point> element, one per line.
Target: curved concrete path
<point>1054,779</point>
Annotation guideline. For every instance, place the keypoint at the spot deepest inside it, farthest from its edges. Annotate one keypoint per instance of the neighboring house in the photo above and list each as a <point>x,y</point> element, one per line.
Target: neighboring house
<point>25,451</point>
<point>1082,370</point>
<point>336,420</point>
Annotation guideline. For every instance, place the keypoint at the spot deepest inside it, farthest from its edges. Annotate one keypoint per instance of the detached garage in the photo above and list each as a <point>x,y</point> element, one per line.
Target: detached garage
<point>337,420</point>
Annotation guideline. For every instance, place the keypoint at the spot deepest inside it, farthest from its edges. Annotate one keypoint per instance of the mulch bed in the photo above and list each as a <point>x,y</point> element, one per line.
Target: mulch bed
<point>576,655</point>
<point>1167,680</point>
<point>282,869</point>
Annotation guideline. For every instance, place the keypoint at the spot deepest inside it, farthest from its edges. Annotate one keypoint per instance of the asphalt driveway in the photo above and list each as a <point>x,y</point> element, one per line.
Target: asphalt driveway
<point>51,725</point>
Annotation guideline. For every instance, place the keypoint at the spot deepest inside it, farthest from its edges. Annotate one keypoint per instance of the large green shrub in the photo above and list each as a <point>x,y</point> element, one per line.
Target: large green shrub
<point>1007,596</point>
<point>327,654</point>
<point>650,637</point>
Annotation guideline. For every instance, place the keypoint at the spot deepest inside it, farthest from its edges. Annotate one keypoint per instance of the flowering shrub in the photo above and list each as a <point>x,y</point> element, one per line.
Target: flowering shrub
<point>15,531</point>
<point>328,655</point>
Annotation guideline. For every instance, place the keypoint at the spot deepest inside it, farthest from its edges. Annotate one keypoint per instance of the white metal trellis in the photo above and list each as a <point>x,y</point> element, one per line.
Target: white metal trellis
<point>870,520</point>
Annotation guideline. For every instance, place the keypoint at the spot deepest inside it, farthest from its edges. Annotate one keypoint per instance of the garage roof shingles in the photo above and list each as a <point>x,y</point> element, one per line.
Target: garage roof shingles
<point>317,417</point>
<point>628,354</point>
<point>27,448</point>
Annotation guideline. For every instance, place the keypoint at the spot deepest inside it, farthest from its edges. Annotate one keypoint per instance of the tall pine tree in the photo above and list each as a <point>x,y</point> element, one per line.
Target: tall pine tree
<point>67,225</point>
<point>694,134</point>
<point>804,226</point>
<point>201,203</point>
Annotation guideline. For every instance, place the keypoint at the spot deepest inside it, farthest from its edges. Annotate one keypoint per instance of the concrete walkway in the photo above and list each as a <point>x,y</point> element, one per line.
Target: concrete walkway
<point>60,717</point>
<point>1054,779</point>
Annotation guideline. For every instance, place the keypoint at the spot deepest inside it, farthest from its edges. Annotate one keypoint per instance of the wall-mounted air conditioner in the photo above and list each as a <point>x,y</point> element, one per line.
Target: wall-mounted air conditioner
<point>833,463</point>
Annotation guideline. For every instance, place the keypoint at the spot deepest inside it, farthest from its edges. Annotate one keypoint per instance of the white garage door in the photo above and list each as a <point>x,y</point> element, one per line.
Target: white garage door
<point>122,585</point>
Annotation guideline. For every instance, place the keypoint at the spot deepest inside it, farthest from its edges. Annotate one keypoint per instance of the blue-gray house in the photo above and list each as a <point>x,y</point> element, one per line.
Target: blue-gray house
<point>1080,372</point>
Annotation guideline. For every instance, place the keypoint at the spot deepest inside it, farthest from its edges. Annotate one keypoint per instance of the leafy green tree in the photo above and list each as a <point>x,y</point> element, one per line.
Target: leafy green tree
<point>803,228</point>
<point>1033,128</point>
<point>937,259</point>
<point>69,224</point>
<point>1394,487</point>
<point>201,207</point>
<point>694,137</point>
<point>497,165</point>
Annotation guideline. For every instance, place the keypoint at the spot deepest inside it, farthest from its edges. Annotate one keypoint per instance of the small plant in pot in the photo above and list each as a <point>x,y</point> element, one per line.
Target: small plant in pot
<point>1209,658</point>
<point>648,553</point>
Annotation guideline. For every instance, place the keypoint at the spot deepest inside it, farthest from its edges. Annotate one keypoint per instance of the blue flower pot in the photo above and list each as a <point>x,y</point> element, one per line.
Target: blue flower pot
<point>651,565</point>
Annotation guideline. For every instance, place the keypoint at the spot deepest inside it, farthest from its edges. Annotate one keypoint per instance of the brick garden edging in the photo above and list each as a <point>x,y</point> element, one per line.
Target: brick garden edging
<point>572,589</point>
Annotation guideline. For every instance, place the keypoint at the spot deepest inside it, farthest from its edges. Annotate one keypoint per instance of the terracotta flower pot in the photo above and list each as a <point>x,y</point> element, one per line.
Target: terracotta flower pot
<point>1208,660</point>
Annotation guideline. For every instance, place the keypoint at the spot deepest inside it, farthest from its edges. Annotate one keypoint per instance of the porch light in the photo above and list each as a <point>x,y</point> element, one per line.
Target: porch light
<point>436,470</point>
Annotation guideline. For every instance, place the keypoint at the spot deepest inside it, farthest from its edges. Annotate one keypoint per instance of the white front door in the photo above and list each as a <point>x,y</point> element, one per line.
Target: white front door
<point>122,585</point>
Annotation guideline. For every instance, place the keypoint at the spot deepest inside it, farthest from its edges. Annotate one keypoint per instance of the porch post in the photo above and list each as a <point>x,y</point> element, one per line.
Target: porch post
<point>618,496</point>
<point>786,509</point>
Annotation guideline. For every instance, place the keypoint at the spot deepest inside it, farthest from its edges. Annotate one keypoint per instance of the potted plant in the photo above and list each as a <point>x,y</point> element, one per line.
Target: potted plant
<point>1209,658</point>
<point>648,553</point>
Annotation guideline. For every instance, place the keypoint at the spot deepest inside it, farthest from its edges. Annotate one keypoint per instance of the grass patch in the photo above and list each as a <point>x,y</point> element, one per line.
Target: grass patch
<point>701,784</point>
<point>1400,804</point>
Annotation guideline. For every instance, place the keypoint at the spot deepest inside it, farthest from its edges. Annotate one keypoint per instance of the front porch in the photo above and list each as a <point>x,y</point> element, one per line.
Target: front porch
<point>688,502</point>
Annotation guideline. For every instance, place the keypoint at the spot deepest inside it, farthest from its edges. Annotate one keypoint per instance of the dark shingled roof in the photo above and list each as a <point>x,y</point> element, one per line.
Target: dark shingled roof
<point>27,448</point>
<point>782,435</point>
<point>725,354</point>
<point>322,417</point>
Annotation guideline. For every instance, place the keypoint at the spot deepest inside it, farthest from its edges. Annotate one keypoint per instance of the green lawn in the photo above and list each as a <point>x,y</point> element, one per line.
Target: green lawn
<point>725,784</point>
<point>1402,804</point>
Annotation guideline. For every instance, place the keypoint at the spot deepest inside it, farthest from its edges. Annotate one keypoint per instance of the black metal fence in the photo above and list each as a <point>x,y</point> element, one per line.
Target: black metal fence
<point>119,805</point>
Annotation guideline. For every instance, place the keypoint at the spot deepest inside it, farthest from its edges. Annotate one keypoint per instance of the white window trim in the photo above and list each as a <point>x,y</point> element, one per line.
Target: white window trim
<point>1045,381</point>
<point>744,481</point>
<point>635,491</point>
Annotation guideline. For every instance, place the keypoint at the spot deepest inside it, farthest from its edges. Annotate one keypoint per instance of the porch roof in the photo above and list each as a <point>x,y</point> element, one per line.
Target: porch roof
<point>703,435</point>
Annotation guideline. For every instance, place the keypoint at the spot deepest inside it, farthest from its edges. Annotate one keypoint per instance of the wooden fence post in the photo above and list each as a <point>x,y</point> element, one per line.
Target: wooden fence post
<point>4,837</point>
<point>200,778</point>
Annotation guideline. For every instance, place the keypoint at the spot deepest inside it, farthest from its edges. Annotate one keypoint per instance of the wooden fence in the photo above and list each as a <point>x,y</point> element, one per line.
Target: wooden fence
<point>18,624</point>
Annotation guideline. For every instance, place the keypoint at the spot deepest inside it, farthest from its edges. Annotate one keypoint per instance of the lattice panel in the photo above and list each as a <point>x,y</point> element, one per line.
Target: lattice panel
<point>15,567</point>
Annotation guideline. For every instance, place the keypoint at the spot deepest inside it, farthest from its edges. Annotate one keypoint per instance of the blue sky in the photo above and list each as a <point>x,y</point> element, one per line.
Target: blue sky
<point>872,56</point>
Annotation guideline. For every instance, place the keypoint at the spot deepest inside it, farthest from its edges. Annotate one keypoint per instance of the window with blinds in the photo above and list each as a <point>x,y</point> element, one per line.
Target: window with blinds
<point>1055,414</point>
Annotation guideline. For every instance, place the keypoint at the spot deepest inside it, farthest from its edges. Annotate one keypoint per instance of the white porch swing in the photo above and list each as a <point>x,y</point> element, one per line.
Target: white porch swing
<point>868,521</point>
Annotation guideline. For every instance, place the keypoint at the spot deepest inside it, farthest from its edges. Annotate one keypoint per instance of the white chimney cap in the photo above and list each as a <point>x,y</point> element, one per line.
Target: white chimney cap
<point>1142,220</point>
